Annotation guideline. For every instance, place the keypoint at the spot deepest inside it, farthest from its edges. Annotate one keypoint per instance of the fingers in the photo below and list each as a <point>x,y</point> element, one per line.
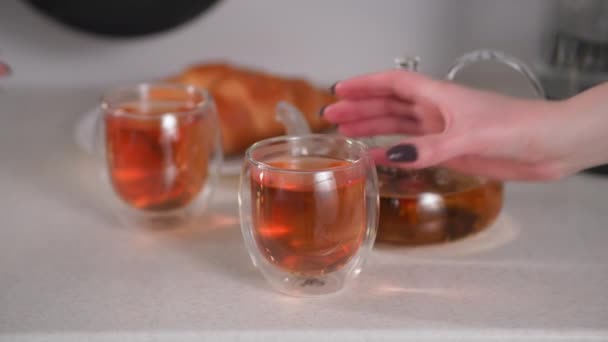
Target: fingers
<point>347,111</point>
<point>384,116</point>
<point>381,126</point>
<point>498,169</point>
<point>406,85</point>
<point>464,153</point>
<point>428,150</point>
<point>5,70</point>
<point>372,117</point>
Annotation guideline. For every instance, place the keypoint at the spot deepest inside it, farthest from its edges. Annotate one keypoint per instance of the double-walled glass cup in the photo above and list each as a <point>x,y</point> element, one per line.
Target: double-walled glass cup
<point>309,211</point>
<point>161,150</point>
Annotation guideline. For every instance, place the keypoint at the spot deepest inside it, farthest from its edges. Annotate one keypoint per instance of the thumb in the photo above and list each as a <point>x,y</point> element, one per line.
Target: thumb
<point>428,150</point>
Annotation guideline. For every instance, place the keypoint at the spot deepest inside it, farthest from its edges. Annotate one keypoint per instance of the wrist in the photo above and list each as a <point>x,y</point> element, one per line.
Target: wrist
<point>584,120</point>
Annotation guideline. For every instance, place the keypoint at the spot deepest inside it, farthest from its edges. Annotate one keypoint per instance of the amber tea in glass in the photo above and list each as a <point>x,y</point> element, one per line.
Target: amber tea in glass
<point>309,211</point>
<point>311,228</point>
<point>161,146</point>
<point>434,205</point>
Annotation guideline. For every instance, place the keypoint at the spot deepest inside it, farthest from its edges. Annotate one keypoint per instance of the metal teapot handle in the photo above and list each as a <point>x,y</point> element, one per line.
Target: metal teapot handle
<point>496,56</point>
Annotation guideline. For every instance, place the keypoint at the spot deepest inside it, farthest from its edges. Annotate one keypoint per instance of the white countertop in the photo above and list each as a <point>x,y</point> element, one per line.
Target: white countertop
<point>68,272</point>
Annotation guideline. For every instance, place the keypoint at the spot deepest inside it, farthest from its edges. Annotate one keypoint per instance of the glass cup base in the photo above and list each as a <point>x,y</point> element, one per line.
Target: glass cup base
<point>166,220</point>
<point>308,286</point>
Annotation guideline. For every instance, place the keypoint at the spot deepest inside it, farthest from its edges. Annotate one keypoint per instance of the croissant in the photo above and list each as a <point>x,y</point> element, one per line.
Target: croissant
<point>246,101</point>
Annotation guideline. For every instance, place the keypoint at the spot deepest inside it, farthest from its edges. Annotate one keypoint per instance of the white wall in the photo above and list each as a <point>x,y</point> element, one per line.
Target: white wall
<point>325,40</point>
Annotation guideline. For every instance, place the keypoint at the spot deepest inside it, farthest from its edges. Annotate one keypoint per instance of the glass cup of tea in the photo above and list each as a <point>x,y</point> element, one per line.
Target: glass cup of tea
<point>161,150</point>
<point>309,210</point>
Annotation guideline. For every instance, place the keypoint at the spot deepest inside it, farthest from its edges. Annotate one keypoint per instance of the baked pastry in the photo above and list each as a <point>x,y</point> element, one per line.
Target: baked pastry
<point>246,101</point>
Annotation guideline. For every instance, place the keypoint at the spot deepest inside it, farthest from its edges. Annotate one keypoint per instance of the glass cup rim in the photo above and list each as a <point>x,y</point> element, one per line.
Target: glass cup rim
<point>363,149</point>
<point>108,104</point>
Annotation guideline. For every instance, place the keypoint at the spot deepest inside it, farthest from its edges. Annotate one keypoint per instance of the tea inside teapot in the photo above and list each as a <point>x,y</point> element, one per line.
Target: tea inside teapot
<point>434,205</point>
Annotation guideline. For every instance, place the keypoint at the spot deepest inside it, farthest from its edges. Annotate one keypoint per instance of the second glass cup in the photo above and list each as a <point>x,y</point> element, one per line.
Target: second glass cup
<point>309,211</point>
<point>161,149</point>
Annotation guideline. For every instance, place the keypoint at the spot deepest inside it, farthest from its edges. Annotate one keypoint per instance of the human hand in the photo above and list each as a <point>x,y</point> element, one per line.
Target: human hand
<point>465,129</point>
<point>5,70</point>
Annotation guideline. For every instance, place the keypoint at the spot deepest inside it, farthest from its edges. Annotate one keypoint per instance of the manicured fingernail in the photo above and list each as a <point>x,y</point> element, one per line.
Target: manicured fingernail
<point>322,110</point>
<point>402,153</point>
<point>332,89</point>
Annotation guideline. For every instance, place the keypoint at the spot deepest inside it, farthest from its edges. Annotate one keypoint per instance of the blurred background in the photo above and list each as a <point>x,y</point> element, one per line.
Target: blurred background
<point>322,40</point>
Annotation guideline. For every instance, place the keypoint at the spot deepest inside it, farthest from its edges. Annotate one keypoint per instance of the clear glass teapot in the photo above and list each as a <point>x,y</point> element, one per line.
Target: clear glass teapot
<point>435,205</point>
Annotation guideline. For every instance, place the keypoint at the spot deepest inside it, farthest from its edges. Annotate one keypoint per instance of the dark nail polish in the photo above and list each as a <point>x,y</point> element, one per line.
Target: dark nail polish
<point>402,153</point>
<point>322,110</point>
<point>332,89</point>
